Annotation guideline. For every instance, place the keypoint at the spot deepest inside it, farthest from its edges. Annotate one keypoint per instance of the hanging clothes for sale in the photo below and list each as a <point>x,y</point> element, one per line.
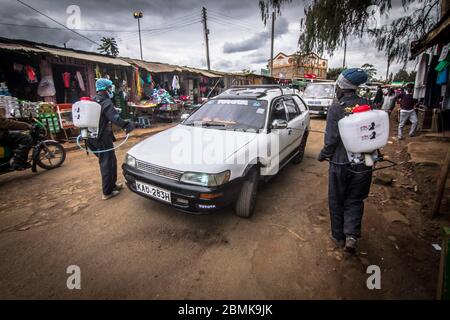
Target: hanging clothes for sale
<point>149,78</point>
<point>175,84</point>
<point>79,78</point>
<point>66,79</point>
<point>30,74</point>
<point>46,87</point>
<point>421,76</point>
<point>98,74</point>
<point>138,83</point>
<point>442,69</point>
<point>432,93</point>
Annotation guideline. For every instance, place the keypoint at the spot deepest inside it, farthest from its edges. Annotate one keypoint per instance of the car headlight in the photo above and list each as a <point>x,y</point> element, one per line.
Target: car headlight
<point>131,161</point>
<point>206,179</point>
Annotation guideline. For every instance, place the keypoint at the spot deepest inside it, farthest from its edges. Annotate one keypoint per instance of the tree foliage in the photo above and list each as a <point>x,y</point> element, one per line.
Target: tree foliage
<point>333,73</point>
<point>404,76</point>
<point>109,46</point>
<point>328,24</point>
<point>395,39</point>
<point>370,70</point>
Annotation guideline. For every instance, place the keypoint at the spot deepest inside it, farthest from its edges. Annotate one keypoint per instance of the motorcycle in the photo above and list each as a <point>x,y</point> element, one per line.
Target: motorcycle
<point>47,154</point>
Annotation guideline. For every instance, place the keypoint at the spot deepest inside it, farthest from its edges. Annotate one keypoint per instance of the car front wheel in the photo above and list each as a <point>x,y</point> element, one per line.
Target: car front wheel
<point>301,151</point>
<point>246,202</point>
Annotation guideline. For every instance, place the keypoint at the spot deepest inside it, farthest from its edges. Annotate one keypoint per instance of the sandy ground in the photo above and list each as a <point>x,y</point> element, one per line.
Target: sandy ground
<point>131,247</point>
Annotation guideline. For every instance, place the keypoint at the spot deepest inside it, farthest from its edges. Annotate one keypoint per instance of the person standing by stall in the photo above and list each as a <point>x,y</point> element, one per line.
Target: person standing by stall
<point>105,138</point>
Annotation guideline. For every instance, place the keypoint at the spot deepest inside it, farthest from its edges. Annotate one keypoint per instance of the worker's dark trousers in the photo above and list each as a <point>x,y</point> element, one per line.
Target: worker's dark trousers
<point>20,143</point>
<point>107,162</point>
<point>346,194</point>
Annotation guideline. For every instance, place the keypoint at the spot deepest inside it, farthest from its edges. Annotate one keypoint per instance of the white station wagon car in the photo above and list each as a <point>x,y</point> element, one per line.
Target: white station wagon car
<point>216,157</point>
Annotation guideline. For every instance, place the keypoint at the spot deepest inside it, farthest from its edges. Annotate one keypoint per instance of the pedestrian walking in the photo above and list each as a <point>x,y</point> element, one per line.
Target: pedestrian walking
<point>348,186</point>
<point>105,138</point>
<point>407,112</point>
<point>378,100</point>
<point>389,101</point>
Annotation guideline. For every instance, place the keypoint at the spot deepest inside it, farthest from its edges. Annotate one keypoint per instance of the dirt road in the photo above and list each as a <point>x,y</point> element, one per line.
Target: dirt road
<point>131,247</point>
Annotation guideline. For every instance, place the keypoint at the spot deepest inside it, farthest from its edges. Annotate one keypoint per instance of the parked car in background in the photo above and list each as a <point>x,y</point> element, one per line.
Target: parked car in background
<point>319,96</point>
<point>233,140</point>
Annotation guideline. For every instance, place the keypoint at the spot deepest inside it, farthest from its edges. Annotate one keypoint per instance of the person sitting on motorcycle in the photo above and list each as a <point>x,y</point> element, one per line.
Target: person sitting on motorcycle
<point>19,142</point>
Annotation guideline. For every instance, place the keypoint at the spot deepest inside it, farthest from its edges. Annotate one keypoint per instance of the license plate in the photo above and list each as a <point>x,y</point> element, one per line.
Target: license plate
<point>153,191</point>
<point>314,111</point>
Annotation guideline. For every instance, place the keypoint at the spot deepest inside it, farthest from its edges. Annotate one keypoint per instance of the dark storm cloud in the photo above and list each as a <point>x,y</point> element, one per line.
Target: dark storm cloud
<point>257,41</point>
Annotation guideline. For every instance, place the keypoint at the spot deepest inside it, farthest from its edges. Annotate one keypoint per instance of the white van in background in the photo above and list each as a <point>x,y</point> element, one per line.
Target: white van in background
<point>319,96</point>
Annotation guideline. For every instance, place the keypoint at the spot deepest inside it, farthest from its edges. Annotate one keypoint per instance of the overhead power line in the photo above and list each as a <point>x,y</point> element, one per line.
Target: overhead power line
<point>57,22</point>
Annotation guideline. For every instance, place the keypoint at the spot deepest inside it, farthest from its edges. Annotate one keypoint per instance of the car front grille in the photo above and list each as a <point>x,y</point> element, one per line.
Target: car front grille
<point>159,171</point>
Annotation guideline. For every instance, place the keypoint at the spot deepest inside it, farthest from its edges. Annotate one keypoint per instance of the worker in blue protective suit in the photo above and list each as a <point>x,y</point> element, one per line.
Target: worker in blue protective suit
<point>105,138</point>
<point>348,185</point>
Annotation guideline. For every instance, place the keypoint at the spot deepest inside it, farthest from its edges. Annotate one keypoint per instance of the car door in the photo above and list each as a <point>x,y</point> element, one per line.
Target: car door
<point>296,123</point>
<point>279,138</point>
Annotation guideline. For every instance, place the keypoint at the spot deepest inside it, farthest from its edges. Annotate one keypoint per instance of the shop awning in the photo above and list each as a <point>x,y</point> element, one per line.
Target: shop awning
<point>19,47</point>
<point>202,72</point>
<point>437,35</point>
<point>84,56</point>
<point>154,67</point>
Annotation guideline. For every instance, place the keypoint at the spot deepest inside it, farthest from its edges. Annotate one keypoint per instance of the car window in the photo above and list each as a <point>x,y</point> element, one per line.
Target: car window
<point>300,104</point>
<point>279,111</point>
<point>292,109</point>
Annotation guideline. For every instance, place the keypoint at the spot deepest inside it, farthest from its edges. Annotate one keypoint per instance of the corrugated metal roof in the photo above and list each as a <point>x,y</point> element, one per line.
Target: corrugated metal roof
<point>202,72</point>
<point>84,56</point>
<point>154,67</point>
<point>19,47</point>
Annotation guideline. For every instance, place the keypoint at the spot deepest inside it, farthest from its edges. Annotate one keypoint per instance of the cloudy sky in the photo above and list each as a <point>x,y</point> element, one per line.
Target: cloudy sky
<point>173,33</point>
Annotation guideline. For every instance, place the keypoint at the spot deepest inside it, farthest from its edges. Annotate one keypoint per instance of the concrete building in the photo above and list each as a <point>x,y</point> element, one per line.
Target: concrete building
<point>296,66</point>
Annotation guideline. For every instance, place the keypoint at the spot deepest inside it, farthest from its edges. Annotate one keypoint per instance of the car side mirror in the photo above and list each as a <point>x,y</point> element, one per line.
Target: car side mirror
<point>279,124</point>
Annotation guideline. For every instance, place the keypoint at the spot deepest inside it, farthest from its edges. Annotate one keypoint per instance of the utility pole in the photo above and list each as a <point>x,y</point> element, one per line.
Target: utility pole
<point>138,15</point>
<point>345,52</point>
<point>271,44</point>
<point>206,32</point>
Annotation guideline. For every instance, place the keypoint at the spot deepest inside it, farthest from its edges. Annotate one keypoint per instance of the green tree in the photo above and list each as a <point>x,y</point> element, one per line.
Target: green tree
<point>370,70</point>
<point>333,73</point>
<point>404,76</point>
<point>328,24</point>
<point>109,46</point>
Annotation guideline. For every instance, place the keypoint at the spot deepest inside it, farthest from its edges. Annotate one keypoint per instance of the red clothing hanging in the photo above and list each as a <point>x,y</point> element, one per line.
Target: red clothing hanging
<point>66,79</point>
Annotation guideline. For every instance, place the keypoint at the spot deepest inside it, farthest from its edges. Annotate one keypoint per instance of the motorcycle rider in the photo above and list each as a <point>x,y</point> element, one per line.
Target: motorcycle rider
<point>19,142</point>
<point>105,138</point>
<point>346,189</point>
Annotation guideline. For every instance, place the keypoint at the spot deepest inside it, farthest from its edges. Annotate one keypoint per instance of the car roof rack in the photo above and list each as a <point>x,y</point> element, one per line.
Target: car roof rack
<point>259,90</point>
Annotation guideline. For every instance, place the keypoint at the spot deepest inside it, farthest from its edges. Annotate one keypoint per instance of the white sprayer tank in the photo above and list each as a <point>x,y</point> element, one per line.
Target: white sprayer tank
<point>86,114</point>
<point>364,132</point>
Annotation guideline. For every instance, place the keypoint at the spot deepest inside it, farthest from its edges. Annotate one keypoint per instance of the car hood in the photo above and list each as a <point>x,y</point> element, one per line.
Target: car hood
<point>196,149</point>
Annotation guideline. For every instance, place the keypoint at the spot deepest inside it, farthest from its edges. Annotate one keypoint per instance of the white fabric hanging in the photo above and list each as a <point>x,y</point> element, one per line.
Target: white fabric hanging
<point>46,87</point>
<point>80,81</point>
<point>421,77</point>
<point>175,83</point>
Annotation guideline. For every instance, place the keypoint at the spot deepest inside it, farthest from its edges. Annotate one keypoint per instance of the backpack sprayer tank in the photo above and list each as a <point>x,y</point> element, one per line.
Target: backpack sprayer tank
<point>86,115</point>
<point>363,132</point>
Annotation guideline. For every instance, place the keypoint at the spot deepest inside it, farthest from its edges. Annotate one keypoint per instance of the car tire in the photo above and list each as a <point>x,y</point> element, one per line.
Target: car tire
<point>246,202</point>
<point>299,157</point>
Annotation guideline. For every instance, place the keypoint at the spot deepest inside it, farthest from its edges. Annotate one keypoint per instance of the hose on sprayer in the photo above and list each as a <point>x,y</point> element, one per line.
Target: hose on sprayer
<point>101,151</point>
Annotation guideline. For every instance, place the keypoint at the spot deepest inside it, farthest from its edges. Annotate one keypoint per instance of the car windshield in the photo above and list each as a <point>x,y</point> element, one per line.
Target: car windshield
<point>230,114</point>
<point>319,91</point>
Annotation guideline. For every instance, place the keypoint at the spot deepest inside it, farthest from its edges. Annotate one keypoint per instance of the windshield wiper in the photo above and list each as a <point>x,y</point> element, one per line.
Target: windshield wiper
<point>213,124</point>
